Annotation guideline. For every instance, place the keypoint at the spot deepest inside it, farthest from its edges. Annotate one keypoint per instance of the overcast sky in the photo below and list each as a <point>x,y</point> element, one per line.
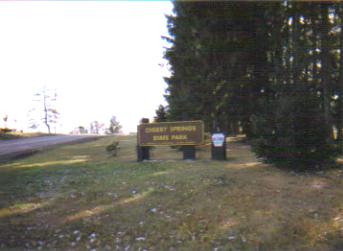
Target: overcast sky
<point>101,57</point>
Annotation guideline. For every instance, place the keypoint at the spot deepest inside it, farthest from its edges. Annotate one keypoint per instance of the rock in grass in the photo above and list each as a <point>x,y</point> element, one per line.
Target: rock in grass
<point>231,237</point>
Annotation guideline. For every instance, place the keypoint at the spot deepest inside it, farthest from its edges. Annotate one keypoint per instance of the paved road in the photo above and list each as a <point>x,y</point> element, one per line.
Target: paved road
<point>20,147</point>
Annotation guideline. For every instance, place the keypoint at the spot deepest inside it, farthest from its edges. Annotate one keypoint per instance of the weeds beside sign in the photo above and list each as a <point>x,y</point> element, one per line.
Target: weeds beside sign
<point>171,133</point>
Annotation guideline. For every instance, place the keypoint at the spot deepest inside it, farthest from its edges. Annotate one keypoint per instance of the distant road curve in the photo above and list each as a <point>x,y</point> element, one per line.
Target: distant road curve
<point>15,148</point>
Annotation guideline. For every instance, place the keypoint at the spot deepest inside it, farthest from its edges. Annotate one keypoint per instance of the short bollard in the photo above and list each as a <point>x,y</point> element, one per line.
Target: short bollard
<point>218,146</point>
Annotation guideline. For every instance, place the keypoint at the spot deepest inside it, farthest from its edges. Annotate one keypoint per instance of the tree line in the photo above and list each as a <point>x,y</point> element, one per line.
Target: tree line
<point>271,70</point>
<point>45,113</point>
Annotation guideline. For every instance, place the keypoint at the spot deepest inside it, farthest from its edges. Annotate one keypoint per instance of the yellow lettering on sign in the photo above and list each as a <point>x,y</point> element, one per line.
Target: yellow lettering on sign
<point>160,137</point>
<point>178,137</point>
<point>190,128</point>
<point>156,129</point>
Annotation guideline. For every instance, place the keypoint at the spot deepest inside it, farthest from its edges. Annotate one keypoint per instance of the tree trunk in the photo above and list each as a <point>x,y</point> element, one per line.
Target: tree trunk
<point>46,122</point>
<point>325,73</point>
<point>340,83</point>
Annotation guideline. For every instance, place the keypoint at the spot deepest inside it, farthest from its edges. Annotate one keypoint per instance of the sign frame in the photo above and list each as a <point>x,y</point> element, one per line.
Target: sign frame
<point>202,131</point>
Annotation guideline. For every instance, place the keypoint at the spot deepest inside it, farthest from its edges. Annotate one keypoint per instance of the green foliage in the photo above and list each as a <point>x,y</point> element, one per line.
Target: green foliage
<point>273,70</point>
<point>208,58</point>
<point>295,133</point>
<point>161,114</point>
<point>113,148</point>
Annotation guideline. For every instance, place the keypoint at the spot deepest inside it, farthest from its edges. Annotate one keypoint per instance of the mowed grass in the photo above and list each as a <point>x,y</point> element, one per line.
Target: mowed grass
<point>79,197</point>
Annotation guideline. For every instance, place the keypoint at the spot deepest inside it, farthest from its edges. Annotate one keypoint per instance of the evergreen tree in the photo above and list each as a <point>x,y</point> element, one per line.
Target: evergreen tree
<point>271,70</point>
<point>161,114</point>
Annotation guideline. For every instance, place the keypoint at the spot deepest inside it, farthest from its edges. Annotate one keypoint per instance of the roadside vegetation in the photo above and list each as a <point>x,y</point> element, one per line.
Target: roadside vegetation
<point>80,197</point>
<point>19,135</point>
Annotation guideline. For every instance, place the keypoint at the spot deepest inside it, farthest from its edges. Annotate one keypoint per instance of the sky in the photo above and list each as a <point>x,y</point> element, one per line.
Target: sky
<point>103,59</point>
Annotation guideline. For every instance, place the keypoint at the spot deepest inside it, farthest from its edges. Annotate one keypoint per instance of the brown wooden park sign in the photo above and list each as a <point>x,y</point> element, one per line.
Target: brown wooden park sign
<point>186,134</point>
<point>181,133</point>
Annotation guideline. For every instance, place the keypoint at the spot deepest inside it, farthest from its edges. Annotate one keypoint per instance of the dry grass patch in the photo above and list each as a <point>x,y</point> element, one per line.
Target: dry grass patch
<point>78,197</point>
<point>20,135</point>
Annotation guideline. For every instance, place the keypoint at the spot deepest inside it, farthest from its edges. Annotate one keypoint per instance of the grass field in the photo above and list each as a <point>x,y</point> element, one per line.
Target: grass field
<point>79,197</point>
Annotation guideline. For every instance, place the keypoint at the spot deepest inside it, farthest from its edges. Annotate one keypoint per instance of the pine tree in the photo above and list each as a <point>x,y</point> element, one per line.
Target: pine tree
<point>271,70</point>
<point>161,114</point>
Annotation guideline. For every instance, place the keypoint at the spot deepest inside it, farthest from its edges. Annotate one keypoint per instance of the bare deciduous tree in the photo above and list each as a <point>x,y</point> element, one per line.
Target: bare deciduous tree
<point>45,111</point>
